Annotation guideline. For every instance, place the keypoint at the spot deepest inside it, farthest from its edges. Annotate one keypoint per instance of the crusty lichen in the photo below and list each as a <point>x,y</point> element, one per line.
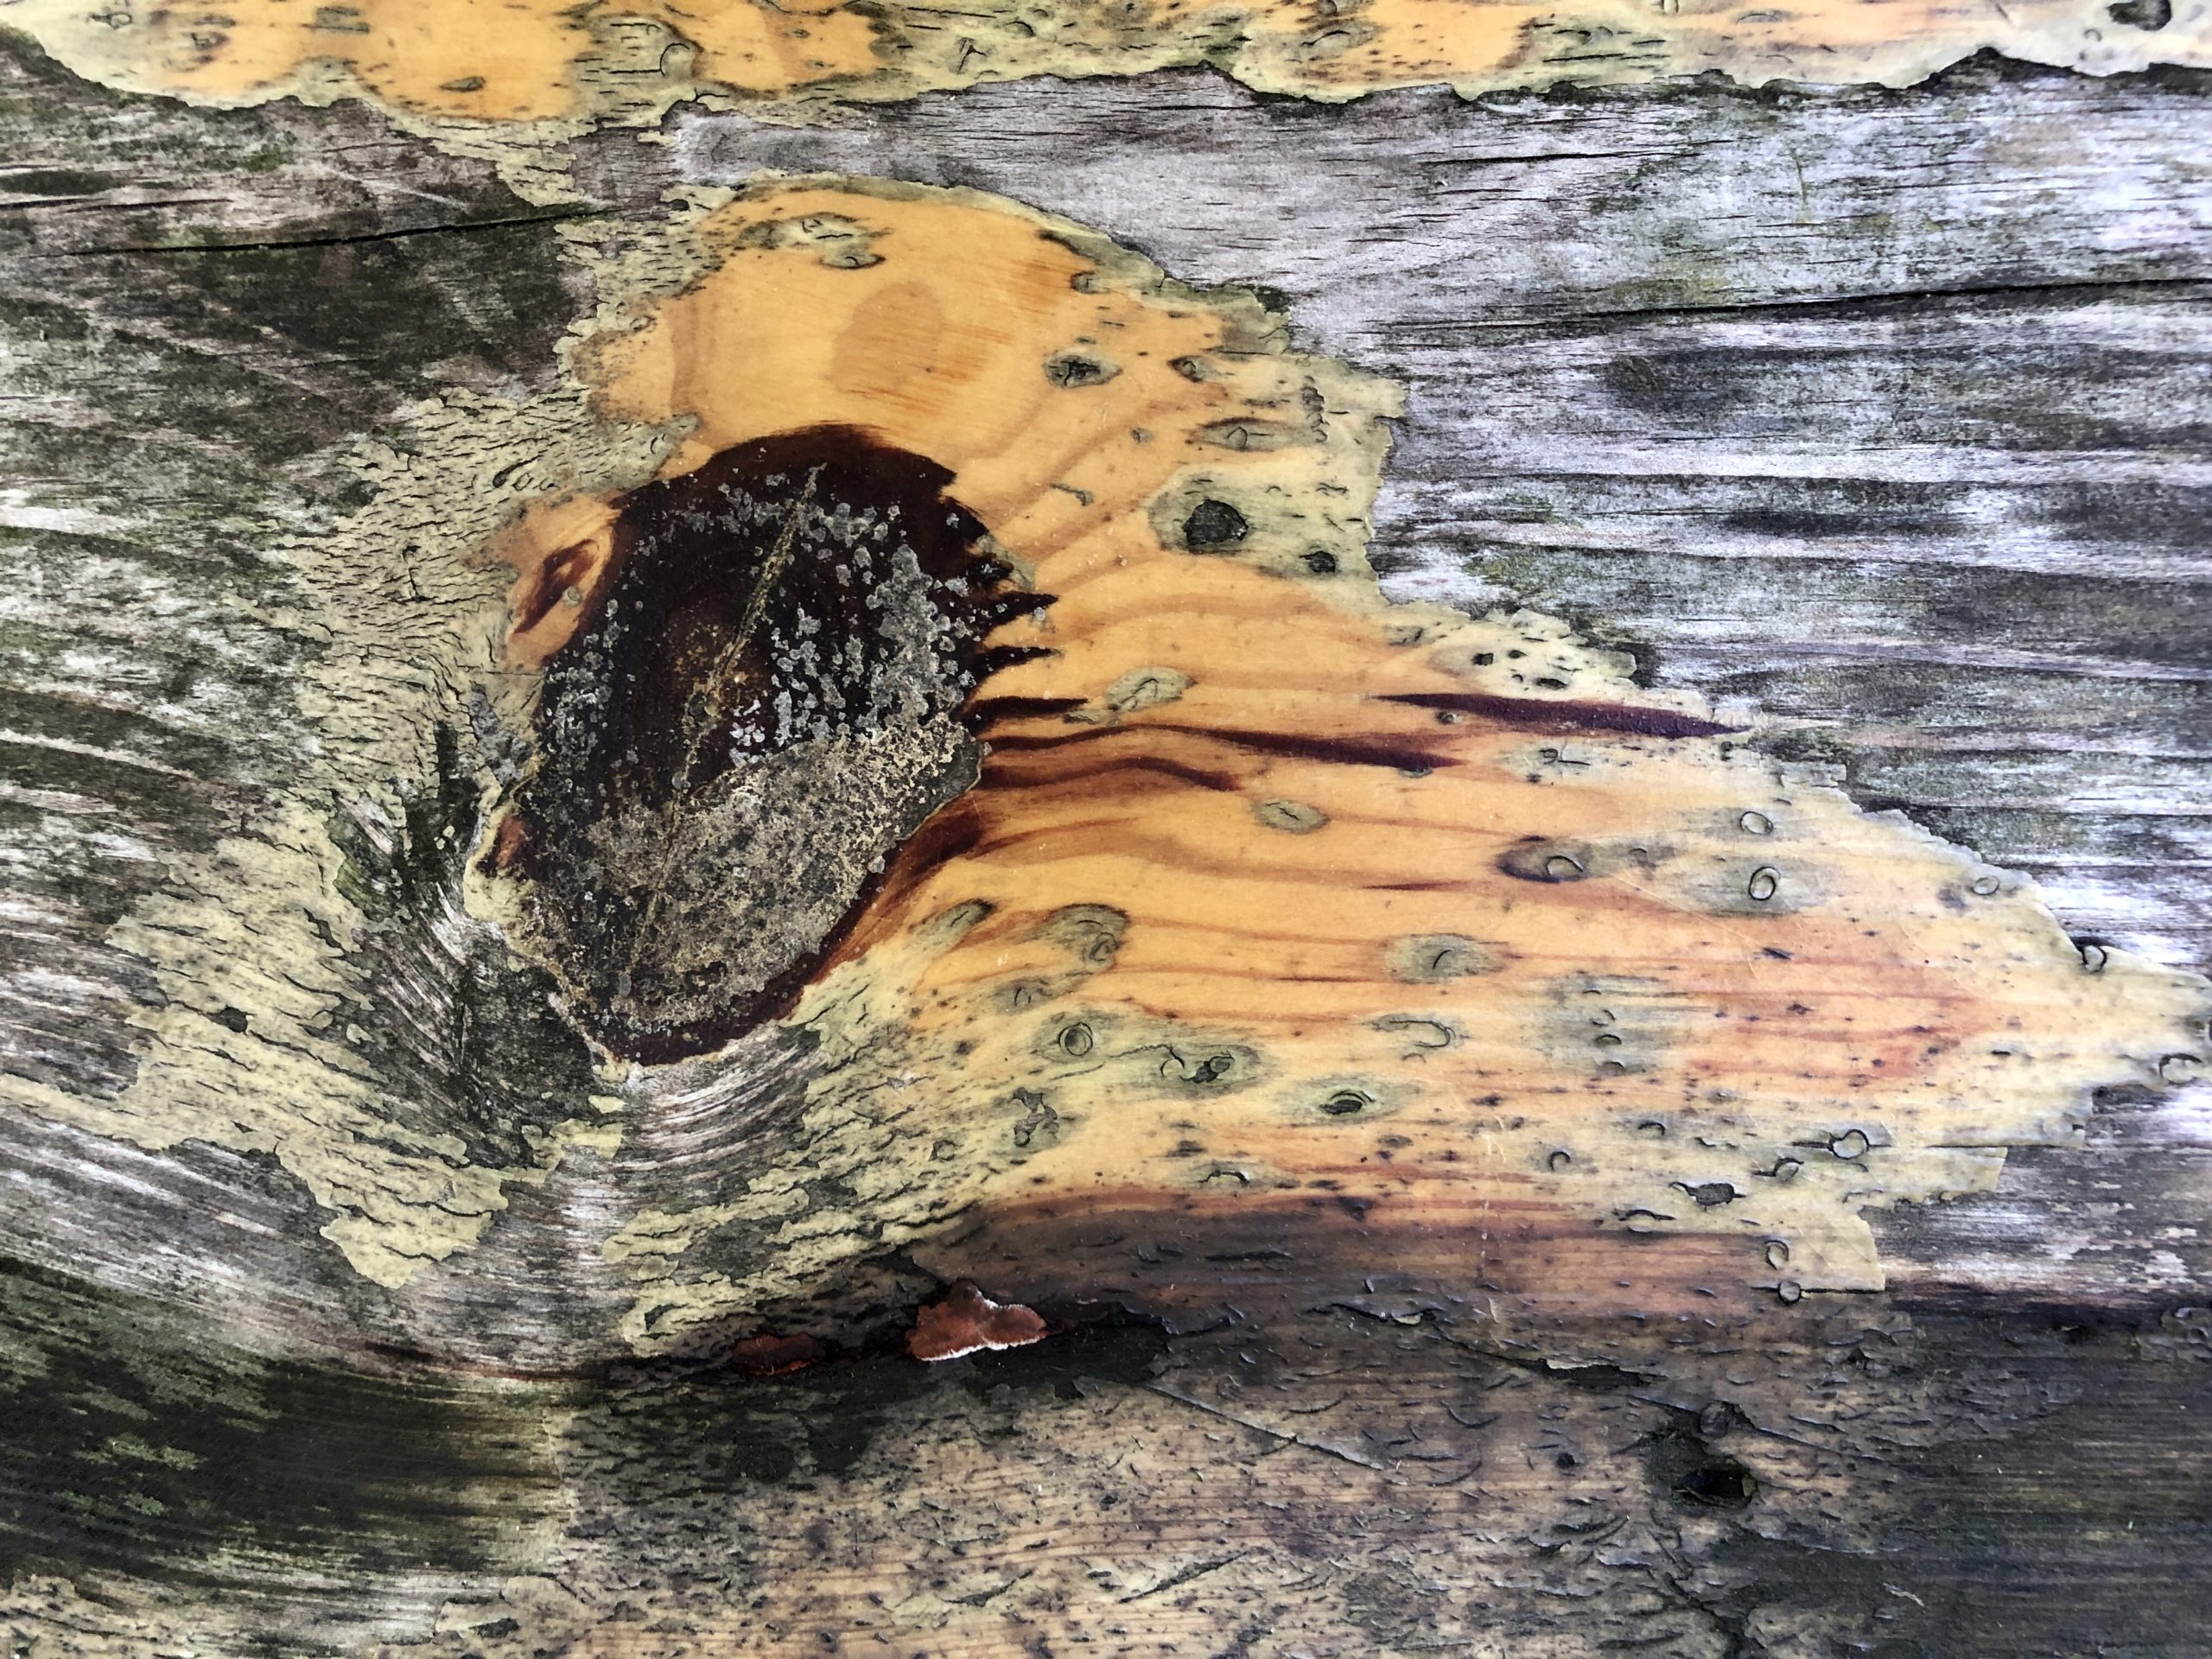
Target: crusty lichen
<point>465,65</point>
<point>263,948</point>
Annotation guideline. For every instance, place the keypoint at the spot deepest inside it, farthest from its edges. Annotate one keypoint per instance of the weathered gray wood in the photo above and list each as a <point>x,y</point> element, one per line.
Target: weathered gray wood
<point>1934,490</point>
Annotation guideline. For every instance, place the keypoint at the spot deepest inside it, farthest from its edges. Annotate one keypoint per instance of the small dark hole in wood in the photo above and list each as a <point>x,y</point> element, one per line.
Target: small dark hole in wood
<point>1213,524</point>
<point>2152,15</point>
<point>1716,1482</point>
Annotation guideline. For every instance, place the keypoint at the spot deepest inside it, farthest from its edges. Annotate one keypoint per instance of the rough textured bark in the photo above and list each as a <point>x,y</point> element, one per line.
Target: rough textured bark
<point>357,1302</point>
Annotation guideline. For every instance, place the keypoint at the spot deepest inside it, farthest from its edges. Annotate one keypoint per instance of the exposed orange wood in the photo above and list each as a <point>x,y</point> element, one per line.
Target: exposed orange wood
<point>1284,912</point>
<point>528,59</point>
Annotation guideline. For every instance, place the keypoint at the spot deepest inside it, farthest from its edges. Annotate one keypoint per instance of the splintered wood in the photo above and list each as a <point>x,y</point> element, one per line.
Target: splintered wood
<point>528,59</point>
<point>1293,944</point>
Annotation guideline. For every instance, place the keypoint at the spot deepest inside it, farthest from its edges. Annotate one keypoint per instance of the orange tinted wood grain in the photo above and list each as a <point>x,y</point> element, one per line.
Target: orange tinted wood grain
<point>537,59</point>
<point>1281,912</point>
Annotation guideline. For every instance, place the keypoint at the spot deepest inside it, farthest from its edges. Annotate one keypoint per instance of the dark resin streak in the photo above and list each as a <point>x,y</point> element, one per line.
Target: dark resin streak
<point>1559,716</point>
<point>764,703</point>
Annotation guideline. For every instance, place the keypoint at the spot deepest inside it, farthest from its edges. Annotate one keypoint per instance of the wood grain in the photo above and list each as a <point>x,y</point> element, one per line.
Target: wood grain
<point>540,60</point>
<point>1999,519</point>
<point>1968,586</point>
<point>1280,909</point>
<point>274,374</point>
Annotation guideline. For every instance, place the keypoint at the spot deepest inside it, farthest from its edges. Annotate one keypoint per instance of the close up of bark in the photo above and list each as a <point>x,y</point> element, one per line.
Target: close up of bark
<point>803,857</point>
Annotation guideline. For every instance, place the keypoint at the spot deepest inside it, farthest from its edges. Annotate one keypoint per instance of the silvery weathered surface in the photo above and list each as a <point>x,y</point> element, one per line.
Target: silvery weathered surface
<point>1885,414</point>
